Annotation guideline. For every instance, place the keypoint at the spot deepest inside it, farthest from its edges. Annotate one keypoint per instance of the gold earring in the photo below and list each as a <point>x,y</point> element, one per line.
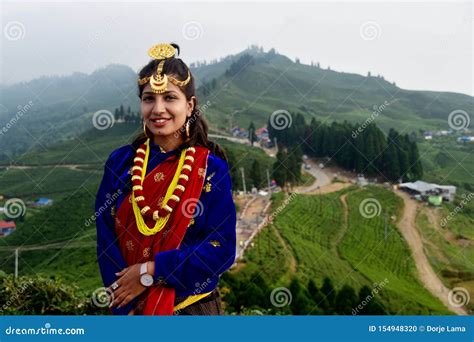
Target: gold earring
<point>187,129</point>
<point>144,128</point>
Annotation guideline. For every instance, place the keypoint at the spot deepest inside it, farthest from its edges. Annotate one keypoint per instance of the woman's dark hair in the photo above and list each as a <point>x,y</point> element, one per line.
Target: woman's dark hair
<point>197,124</point>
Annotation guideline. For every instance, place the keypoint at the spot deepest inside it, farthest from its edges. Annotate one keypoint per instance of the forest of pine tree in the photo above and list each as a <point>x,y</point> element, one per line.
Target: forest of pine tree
<point>393,157</point>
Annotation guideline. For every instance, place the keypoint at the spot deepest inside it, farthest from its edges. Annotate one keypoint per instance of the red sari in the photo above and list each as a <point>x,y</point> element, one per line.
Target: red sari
<point>137,248</point>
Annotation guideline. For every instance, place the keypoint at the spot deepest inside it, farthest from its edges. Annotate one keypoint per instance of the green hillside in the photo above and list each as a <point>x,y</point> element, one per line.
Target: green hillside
<point>54,151</point>
<point>322,246</point>
<point>250,85</point>
<point>266,82</point>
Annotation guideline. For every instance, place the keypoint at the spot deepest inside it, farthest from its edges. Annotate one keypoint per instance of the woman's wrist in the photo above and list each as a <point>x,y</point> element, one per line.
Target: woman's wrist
<point>150,268</point>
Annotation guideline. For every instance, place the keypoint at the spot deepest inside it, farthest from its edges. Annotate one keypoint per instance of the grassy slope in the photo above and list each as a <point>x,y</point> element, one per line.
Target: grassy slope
<point>447,162</point>
<point>360,258</point>
<point>278,83</point>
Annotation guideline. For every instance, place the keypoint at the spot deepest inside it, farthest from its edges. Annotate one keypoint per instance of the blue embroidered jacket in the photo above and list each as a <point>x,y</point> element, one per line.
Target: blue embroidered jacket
<point>208,247</point>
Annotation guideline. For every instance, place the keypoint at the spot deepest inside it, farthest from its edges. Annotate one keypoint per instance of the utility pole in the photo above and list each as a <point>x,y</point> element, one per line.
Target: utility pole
<point>320,204</point>
<point>386,227</point>
<point>16,263</point>
<point>268,180</point>
<point>243,179</point>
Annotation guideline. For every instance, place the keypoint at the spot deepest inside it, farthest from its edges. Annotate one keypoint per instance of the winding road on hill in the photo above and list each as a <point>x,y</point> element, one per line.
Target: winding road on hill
<point>429,278</point>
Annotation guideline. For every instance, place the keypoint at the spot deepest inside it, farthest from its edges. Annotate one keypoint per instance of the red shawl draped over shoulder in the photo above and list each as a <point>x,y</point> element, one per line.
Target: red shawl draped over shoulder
<point>138,248</point>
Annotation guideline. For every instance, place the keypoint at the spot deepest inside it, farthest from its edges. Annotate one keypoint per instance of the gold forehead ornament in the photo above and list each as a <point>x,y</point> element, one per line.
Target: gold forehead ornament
<point>159,81</point>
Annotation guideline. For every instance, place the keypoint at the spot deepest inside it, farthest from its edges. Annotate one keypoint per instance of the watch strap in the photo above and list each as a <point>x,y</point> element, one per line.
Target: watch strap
<point>143,268</point>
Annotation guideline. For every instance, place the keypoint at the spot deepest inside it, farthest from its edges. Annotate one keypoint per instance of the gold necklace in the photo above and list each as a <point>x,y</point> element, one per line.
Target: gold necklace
<point>141,208</point>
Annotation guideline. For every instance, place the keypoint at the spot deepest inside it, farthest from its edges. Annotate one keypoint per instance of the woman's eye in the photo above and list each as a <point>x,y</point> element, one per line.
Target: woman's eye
<point>147,98</point>
<point>169,97</point>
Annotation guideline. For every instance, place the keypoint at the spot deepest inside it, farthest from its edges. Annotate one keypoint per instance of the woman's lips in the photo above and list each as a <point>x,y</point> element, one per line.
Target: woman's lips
<point>159,122</point>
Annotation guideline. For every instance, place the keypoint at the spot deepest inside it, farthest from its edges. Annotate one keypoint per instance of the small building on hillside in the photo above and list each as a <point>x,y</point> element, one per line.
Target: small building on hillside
<point>262,133</point>
<point>6,227</point>
<point>41,202</point>
<point>361,180</point>
<point>465,139</point>
<point>424,189</point>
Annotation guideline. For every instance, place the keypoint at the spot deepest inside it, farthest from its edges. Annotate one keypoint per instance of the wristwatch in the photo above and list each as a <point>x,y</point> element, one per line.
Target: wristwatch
<point>145,279</point>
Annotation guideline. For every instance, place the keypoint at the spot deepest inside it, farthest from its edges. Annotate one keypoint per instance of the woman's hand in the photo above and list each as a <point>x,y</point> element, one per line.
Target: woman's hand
<point>129,286</point>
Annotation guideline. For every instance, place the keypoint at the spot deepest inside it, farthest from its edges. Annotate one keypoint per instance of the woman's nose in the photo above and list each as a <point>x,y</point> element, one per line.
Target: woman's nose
<point>159,106</point>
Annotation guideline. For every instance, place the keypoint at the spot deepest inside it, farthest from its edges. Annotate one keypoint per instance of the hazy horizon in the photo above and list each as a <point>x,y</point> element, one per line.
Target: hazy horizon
<point>419,46</point>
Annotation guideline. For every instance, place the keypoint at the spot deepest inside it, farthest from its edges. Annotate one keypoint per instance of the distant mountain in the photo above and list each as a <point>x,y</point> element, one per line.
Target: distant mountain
<point>257,84</point>
<point>48,110</point>
<point>237,89</point>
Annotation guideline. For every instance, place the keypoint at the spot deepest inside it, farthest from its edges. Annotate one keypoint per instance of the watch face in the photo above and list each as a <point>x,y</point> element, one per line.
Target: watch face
<point>146,280</point>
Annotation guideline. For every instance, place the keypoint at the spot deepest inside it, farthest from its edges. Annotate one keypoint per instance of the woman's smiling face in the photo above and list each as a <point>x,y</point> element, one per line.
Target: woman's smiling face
<point>166,113</point>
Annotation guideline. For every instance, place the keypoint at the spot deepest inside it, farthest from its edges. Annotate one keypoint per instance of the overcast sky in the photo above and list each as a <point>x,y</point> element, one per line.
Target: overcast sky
<point>420,46</point>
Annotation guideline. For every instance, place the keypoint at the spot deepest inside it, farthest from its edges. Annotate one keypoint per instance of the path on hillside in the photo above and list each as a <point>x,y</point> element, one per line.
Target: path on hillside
<point>250,221</point>
<point>345,223</point>
<point>428,277</point>
<point>287,249</point>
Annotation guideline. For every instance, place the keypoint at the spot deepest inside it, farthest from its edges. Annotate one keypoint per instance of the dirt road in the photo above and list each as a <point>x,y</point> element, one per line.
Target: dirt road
<point>428,277</point>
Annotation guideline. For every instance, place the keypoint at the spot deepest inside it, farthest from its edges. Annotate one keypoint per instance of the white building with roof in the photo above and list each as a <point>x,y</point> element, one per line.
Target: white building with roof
<point>426,189</point>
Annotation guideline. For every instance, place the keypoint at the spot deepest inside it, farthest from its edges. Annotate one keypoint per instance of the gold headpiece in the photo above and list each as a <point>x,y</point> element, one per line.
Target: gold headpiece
<point>159,81</point>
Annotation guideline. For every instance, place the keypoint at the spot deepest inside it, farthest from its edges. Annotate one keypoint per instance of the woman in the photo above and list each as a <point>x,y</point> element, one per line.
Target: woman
<point>170,233</point>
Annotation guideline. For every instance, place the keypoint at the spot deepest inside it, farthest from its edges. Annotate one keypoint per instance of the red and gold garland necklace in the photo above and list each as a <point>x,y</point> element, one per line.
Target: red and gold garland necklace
<point>141,208</point>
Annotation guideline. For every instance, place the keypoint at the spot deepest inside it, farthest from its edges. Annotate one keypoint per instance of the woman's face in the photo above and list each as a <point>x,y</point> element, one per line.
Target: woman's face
<point>166,113</point>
